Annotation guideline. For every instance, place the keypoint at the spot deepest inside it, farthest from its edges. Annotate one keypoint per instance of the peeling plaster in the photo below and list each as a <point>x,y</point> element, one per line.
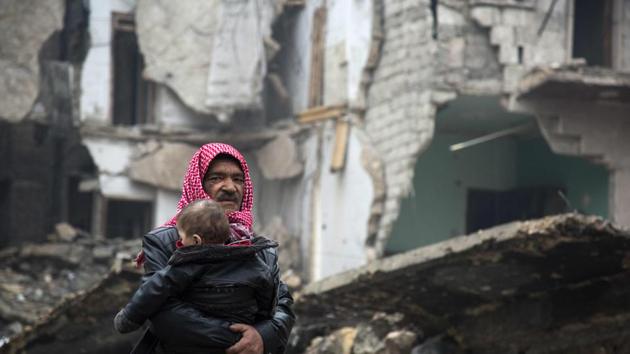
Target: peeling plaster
<point>211,53</point>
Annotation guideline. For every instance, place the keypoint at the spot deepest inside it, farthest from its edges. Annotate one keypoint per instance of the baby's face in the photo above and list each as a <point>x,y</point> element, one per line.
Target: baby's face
<point>186,240</point>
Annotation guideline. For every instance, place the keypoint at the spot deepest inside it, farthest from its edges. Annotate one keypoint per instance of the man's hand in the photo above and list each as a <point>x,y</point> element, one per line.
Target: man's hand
<point>250,343</point>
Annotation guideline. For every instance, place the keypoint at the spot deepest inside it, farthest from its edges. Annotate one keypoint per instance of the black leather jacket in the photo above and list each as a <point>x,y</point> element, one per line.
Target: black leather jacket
<point>229,282</point>
<point>183,328</point>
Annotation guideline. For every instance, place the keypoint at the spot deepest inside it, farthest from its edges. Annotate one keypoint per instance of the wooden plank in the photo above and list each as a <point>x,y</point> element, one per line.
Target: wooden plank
<point>292,3</point>
<point>316,82</point>
<point>321,113</point>
<point>338,161</point>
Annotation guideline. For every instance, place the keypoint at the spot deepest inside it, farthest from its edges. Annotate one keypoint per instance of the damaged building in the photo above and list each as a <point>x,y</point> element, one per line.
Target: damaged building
<point>371,127</point>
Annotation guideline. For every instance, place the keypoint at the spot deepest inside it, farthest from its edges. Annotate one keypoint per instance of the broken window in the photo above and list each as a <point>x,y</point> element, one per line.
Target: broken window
<point>487,208</point>
<point>592,31</point>
<point>133,96</point>
<point>128,219</point>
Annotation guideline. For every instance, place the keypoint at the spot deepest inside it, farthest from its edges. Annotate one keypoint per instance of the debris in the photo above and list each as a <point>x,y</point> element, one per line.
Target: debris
<point>278,86</point>
<point>289,244</point>
<point>186,48</point>
<point>339,342</point>
<point>279,158</point>
<point>399,342</point>
<point>477,288</point>
<point>38,279</point>
<point>163,167</point>
<point>65,232</point>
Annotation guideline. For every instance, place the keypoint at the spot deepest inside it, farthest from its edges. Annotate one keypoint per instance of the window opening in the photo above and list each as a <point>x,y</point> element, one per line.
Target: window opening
<point>592,31</point>
<point>133,96</point>
<point>128,219</point>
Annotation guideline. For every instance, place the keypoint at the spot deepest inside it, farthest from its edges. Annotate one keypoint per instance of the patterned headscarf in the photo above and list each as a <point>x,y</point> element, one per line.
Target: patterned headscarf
<point>240,220</point>
<point>193,183</point>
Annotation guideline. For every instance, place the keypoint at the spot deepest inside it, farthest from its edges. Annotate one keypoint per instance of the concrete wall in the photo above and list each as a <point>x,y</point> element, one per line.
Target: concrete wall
<point>623,40</point>
<point>344,211</point>
<point>165,206</point>
<point>112,158</point>
<point>399,118</point>
<point>329,210</point>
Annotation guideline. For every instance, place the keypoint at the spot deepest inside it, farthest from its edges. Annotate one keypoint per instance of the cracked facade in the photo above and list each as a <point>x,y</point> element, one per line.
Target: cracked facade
<point>409,78</point>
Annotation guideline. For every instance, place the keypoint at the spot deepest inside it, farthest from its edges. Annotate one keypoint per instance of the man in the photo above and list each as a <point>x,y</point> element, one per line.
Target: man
<point>218,172</point>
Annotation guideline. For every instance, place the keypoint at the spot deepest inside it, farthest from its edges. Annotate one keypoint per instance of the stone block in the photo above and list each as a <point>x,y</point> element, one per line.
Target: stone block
<point>512,75</point>
<point>449,16</point>
<point>399,342</point>
<point>456,51</point>
<point>279,159</point>
<point>517,17</point>
<point>502,35</point>
<point>486,16</point>
<point>65,232</point>
<point>508,54</point>
<point>525,35</point>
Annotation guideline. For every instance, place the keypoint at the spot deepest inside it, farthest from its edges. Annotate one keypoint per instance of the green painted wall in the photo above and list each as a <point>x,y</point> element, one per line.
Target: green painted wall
<point>586,183</point>
<point>437,209</point>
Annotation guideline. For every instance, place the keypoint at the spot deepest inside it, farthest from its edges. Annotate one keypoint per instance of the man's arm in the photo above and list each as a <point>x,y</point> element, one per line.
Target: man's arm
<point>157,288</point>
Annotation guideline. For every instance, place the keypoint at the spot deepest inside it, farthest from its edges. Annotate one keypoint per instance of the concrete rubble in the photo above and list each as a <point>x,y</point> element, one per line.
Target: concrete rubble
<point>575,82</point>
<point>554,285</point>
<point>52,294</point>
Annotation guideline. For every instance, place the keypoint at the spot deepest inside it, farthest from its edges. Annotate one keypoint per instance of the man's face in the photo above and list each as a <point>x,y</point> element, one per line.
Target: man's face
<point>224,183</point>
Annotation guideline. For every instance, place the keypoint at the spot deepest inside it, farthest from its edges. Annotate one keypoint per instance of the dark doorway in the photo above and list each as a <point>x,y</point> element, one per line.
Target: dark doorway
<point>5,187</point>
<point>487,208</point>
<point>592,31</point>
<point>79,205</point>
<point>133,96</point>
<point>128,219</point>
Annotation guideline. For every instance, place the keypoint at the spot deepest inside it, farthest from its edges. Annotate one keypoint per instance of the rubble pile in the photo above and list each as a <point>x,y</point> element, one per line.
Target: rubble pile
<point>64,291</point>
<point>554,285</point>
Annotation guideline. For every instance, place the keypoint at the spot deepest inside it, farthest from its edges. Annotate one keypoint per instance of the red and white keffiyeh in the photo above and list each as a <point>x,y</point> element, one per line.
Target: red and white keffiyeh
<point>241,220</point>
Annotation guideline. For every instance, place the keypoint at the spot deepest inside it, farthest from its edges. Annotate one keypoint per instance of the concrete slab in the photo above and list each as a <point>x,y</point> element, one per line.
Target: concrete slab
<point>481,286</point>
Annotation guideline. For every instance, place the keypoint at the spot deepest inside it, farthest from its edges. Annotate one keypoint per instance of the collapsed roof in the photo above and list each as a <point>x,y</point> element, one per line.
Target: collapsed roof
<point>558,283</point>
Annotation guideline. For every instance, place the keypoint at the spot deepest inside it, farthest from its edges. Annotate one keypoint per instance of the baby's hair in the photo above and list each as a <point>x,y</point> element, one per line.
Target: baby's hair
<point>205,218</point>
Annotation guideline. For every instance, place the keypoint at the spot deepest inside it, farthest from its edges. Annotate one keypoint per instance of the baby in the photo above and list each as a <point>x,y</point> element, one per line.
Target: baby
<point>229,282</point>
